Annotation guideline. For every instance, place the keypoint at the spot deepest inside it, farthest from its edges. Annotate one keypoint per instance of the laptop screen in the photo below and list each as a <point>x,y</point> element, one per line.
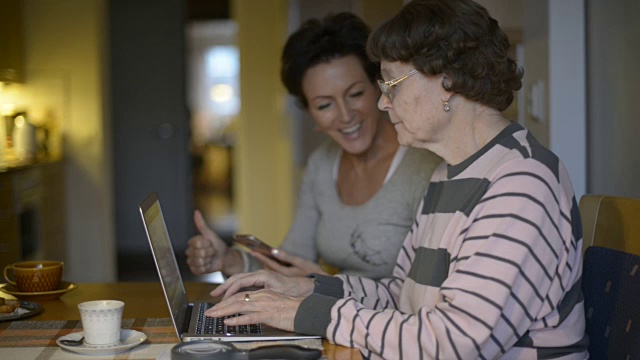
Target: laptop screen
<point>164,257</point>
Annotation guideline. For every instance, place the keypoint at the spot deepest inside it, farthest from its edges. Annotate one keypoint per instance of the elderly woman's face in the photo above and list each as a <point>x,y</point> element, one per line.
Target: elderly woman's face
<point>342,101</point>
<point>416,109</point>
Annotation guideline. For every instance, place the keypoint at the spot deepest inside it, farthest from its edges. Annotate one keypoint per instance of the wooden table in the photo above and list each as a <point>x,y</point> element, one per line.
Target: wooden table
<point>144,300</point>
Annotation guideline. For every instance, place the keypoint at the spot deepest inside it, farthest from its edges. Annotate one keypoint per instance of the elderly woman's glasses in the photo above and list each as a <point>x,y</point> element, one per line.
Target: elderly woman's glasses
<point>387,86</point>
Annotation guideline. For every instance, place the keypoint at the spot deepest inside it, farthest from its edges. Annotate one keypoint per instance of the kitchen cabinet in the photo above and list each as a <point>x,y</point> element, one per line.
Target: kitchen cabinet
<point>9,242</point>
<point>32,220</point>
<point>11,46</point>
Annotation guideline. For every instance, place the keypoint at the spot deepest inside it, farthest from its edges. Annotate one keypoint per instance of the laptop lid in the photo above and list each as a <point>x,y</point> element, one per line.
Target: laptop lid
<point>165,260</point>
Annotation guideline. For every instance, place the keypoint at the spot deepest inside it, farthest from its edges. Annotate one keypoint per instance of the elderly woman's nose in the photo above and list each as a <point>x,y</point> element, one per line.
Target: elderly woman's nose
<point>384,103</point>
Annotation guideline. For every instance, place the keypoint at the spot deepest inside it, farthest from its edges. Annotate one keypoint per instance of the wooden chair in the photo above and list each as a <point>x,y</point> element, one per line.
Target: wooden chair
<point>611,221</point>
<point>611,289</point>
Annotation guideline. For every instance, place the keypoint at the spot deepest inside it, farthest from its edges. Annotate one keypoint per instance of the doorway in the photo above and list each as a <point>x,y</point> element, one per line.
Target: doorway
<point>213,98</point>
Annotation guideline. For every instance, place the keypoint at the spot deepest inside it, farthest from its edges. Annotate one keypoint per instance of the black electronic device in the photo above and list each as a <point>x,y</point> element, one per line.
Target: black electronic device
<point>218,350</point>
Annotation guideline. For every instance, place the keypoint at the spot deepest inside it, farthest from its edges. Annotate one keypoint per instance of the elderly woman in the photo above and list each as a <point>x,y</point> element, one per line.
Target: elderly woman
<point>491,266</point>
<point>360,190</point>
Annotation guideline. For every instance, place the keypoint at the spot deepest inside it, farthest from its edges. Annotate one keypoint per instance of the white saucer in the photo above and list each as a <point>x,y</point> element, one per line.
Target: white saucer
<point>128,339</point>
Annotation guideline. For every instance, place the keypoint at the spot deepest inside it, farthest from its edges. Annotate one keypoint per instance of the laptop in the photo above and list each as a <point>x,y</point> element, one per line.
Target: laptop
<point>188,319</point>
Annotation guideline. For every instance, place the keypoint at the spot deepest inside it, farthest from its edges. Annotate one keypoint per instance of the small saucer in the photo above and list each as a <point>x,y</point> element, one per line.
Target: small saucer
<point>26,309</point>
<point>65,287</point>
<point>128,340</point>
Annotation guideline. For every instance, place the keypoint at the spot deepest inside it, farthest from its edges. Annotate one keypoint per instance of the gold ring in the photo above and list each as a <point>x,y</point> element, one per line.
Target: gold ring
<point>246,297</point>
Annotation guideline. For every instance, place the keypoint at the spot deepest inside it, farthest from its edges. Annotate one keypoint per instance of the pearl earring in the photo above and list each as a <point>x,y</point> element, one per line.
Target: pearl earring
<point>446,106</point>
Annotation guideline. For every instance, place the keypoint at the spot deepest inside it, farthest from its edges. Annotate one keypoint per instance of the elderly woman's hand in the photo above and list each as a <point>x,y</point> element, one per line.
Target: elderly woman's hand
<point>262,306</point>
<point>292,286</point>
<point>299,265</point>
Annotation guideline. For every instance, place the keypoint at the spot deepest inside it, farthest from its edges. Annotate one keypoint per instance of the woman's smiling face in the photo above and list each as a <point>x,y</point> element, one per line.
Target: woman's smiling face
<point>343,102</point>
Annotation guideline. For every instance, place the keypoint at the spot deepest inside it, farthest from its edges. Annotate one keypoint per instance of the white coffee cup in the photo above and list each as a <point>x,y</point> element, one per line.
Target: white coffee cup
<point>101,321</point>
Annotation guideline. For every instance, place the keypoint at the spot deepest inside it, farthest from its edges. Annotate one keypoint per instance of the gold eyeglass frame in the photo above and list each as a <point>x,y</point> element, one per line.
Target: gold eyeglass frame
<point>385,86</point>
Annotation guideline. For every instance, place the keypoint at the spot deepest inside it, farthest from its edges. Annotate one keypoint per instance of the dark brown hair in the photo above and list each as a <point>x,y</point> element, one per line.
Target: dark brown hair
<point>320,41</point>
<point>455,37</point>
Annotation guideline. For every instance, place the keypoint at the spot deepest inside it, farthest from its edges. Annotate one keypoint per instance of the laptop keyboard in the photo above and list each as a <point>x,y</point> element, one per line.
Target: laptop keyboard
<point>209,325</point>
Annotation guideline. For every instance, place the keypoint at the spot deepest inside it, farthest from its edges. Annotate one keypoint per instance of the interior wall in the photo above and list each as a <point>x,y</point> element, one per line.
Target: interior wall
<point>374,12</point>
<point>554,84</point>
<point>567,89</point>
<point>263,178</point>
<point>536,65</point>
<point>64,47</point>
<point>508,13</point>
<point>613,31</point>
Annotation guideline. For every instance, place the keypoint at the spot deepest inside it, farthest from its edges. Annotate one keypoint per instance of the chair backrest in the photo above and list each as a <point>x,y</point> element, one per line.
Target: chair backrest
<point>611,288</point>
<point>611,221</point>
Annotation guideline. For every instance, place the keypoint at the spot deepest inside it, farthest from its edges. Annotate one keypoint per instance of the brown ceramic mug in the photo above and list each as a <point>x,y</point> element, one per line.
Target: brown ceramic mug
<point>35,276</point>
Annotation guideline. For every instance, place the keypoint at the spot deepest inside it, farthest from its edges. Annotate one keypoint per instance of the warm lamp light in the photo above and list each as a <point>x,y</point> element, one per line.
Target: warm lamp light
<point>19,121</point>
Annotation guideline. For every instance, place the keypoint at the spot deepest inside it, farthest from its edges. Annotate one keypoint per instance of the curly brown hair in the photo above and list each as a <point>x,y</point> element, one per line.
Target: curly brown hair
<point>455,37</point>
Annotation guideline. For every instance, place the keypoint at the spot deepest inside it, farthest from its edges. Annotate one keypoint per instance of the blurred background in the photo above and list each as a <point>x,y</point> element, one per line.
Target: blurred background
<point>104,101</point>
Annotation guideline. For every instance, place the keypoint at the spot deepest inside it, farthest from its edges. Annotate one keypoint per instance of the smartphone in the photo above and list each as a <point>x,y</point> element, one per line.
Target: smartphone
<point>255,244</point>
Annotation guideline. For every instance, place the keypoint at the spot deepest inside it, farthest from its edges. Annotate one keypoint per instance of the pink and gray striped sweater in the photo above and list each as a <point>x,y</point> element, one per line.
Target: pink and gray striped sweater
<point>491,268</point>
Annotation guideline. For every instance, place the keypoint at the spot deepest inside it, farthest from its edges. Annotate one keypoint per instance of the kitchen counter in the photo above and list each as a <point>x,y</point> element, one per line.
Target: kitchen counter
<point>8,162</point>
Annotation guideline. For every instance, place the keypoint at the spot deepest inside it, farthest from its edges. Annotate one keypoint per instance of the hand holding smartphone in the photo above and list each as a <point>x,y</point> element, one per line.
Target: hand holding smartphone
<point>257,245</point>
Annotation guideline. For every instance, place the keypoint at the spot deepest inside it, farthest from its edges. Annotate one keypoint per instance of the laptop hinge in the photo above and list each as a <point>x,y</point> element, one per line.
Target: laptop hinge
<point>187,317</point>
